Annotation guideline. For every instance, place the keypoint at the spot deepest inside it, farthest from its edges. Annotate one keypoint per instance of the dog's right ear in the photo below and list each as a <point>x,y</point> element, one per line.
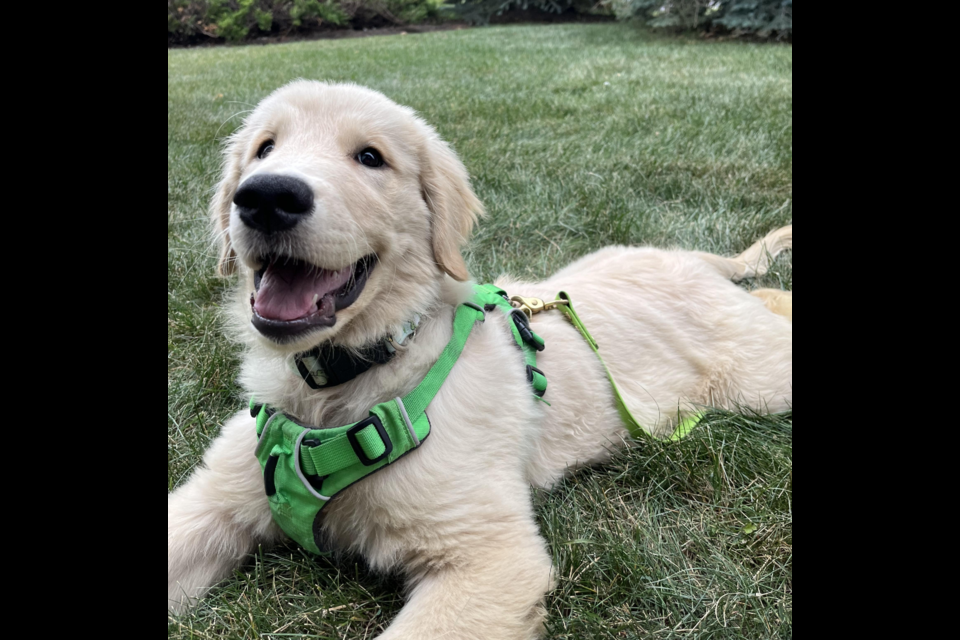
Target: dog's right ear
<point>220,204</point>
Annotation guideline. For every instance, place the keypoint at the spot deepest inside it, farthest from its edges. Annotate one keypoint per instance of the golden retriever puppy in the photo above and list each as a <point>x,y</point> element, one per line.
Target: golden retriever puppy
<point>342,215</point>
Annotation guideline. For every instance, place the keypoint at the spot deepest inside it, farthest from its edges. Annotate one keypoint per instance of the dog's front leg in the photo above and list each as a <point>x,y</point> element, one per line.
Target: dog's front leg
<point>493,591</point>
<point>218,516</point>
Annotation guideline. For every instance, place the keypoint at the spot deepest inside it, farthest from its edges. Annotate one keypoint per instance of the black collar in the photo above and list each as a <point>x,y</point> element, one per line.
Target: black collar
<point>329,365</point>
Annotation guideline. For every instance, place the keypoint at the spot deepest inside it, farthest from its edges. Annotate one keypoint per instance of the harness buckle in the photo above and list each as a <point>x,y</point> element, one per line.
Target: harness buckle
<point>357,449</point>
<point>531,306</point>
<point>522,323</point>
<point>538,388</point>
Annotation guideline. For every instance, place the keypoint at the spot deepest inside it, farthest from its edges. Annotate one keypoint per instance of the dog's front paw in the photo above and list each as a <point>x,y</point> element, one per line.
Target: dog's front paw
<point>217,517</point>
<point>201,548</point>
<point>188,577</point>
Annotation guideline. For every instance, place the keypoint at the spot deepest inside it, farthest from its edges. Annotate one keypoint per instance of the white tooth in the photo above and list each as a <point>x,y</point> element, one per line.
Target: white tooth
<point>316,297</point>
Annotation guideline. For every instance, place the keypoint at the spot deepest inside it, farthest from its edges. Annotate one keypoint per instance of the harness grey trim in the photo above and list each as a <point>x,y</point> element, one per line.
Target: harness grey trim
<point>266,426</point>
<point>406,418</point>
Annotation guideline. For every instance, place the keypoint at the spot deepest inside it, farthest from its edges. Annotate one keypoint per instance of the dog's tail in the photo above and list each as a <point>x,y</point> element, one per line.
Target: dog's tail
<point>756,259</point>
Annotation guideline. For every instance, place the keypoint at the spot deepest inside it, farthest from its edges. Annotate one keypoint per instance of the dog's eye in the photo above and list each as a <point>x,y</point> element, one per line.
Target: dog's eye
<point>265,149</point>
<point>370,157</point>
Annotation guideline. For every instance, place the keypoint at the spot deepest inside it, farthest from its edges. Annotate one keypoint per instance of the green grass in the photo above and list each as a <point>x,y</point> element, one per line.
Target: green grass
<point>689,145</point>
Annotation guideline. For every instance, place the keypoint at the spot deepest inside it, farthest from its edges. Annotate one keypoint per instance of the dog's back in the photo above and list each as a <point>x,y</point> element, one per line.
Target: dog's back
<point>673,329</point>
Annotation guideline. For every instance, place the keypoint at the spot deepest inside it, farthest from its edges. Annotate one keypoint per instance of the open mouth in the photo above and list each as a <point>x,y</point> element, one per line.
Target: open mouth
<point>291,296</point>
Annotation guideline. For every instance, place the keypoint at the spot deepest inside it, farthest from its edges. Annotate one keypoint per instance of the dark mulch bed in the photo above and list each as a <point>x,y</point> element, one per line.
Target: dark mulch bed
<point>322,33</point>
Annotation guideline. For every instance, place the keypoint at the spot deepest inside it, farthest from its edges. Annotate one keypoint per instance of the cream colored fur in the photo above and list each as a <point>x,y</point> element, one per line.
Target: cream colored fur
<point>455,515</point>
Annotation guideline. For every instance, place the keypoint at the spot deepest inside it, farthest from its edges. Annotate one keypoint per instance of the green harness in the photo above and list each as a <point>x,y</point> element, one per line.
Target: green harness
<point>303,467</point>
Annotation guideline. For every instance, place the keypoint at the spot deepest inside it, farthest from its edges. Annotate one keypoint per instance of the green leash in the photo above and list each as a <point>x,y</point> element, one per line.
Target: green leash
<point>638,432</point>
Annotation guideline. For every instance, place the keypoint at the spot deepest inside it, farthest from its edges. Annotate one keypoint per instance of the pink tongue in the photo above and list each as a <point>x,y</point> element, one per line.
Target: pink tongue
<point>287,290</point>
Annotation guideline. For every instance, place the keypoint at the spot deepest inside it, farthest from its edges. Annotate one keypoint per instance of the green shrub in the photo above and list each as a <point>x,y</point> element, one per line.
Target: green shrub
<point>413,11</point>
<point>235,20</point>
<point>764,18</point>
<point>481,11</point>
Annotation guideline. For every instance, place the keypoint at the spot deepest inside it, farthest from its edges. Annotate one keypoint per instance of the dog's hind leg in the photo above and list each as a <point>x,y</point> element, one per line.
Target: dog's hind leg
<point>756,260</point>
<point>780,302</point>
<point>217,517</point>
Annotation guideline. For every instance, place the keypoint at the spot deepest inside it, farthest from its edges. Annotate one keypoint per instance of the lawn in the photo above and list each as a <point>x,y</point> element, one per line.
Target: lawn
<point>576,136</point>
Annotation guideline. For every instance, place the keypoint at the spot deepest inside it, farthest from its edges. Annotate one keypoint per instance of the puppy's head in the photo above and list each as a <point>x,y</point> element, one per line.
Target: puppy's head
<point>343,212</point>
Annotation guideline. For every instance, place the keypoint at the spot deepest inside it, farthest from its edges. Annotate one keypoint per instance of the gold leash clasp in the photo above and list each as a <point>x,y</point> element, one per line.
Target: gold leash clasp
<point>531,306</point>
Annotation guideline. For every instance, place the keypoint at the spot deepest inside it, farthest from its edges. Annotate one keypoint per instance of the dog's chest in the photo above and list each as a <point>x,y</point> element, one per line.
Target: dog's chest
<point>484,428</point>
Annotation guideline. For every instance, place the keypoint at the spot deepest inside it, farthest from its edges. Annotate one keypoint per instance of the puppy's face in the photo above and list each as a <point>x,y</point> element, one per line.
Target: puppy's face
<point>343,210</point>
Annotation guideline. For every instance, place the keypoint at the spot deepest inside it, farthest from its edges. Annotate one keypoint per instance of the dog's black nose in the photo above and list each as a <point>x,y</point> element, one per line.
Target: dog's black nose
<point>271,203</point>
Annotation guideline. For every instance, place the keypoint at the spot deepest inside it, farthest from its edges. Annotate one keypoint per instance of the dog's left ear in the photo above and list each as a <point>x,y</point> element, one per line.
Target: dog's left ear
<point>446,190</point>
<point>220,205</point>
